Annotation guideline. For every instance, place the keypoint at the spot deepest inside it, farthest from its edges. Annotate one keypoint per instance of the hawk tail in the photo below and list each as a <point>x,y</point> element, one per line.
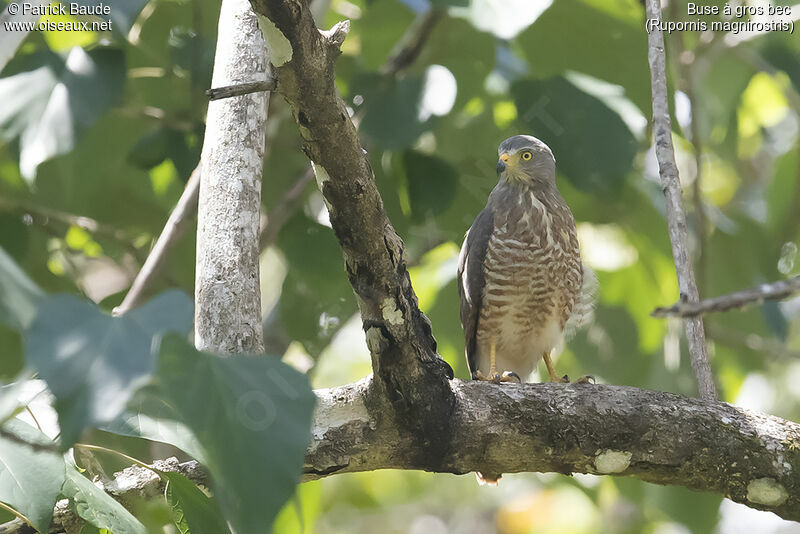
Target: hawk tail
<point>487,480</point>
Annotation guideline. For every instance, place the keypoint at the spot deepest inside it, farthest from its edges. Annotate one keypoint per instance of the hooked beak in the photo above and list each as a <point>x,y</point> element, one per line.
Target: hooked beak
<point>502,163</point>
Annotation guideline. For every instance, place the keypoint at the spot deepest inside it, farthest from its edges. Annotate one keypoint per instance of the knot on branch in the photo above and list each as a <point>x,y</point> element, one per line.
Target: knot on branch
<point>337,34</point>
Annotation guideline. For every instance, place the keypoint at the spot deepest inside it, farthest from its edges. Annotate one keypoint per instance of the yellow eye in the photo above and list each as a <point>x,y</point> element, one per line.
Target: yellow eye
<point>526,156</point>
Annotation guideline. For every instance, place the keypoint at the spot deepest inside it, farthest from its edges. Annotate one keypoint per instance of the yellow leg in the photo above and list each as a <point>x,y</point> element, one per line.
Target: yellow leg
<point>492,364</point>
<point>494,376</point>
<point>492,358</point>
<point>552,370</point>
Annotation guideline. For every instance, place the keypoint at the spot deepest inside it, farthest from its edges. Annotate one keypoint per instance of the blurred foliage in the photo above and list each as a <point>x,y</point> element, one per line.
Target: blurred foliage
<point>99,133</point>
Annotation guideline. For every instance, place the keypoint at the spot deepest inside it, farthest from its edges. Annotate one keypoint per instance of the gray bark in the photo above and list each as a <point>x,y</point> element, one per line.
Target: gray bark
<point>782,289</point>
<point>412,376</point>
<point>676,218</point>
<point>227,293</point>
<point>654,436</point>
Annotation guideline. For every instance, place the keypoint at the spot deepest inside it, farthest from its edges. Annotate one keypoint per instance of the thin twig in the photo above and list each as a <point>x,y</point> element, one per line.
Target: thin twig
<point>42,216</point>
<point>668,170</point>
<point>686,81</point>
<point>774,291</point>
<point>765,345</point>
<point>239,89</point>
<point>413,41</point>
<point>173,230</point>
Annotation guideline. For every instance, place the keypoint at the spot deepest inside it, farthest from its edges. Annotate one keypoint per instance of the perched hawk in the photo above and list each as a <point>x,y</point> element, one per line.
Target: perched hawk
<point>521,279</point>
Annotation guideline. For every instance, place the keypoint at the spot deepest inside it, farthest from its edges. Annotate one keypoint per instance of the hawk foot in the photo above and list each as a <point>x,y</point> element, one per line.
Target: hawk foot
<point>586,379</point>
<point>497,378</point>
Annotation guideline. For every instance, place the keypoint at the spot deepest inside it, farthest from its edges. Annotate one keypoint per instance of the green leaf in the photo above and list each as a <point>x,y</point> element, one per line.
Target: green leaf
<point>97,507</point>
<point>380,28</point>
<point>93,363</point>
<point>614,31</point>
<point>150,417</point>
<point>150,149</point>
<point>19,295</point>
<point>299,514</point>
<point>593,146</point>
<point>122,13</point>
<point>251,415</point>
<point>469,54</point>
<point>195,512</point>
<point>30,479</point>
<point>48,104</point>
<point>432,184</point>
<point>316,298</point>
<point>391,109</point>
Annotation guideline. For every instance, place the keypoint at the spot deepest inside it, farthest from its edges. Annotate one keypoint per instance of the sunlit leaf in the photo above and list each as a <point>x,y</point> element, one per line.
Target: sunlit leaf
<point>98,507</point>
<point>92,362</point>
<point>592,145</point>
<point>49,104</point>
<point>149,416</point>
<point>19,295</point>
<point>30,476</point>
<point>195,512</point>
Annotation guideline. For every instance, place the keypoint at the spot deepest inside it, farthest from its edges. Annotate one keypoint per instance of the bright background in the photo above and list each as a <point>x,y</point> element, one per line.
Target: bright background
<point>109,126</point>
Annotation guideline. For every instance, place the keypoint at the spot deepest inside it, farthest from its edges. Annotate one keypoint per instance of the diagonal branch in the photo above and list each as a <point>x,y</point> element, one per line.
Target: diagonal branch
<point>775,291</point>
<point>670,183</point>
<point>412,375</point>
<point>173,230</point>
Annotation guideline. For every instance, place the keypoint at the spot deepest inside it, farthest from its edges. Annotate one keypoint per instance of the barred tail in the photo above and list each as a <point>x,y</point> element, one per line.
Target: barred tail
<point>487,480</point>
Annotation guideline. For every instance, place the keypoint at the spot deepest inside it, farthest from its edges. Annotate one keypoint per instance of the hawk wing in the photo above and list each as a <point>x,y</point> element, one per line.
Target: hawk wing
<point>583,309</point>
<point>471,279</point>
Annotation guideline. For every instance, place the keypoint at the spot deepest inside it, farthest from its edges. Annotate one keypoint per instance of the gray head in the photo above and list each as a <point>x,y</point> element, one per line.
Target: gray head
<point>525,159</point>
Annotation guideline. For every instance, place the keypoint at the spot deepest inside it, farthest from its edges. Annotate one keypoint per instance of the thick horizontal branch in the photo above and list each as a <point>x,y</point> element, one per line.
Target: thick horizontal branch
<point>775,291</point>
<point>654,436</point>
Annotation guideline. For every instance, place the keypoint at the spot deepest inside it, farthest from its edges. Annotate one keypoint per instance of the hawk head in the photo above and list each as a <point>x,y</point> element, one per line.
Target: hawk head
<point>525,159</point>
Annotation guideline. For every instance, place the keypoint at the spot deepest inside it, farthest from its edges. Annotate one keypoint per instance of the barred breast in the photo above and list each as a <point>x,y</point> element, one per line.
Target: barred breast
<point>533,276</point>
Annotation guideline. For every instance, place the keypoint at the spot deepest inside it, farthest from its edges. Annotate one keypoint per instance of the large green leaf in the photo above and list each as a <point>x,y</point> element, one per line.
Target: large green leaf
<point>316,298</point>
<point>30,477</point>
<point>19,295</point>
<point>149,416</point>
<point>97,507</point>
<point>92,362</point>
<point>195,512</point>
<point>122,13</point>
<point>391,109</point>
<point>593,146</point>
<point>432,184</point>
<point>48,104</point>
<point>383,24</point>
<point>607,30</point>
<point>252,416</point>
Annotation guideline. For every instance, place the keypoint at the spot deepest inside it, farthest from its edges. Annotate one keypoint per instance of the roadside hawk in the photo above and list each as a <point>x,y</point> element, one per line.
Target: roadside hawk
<point>521,279</point>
